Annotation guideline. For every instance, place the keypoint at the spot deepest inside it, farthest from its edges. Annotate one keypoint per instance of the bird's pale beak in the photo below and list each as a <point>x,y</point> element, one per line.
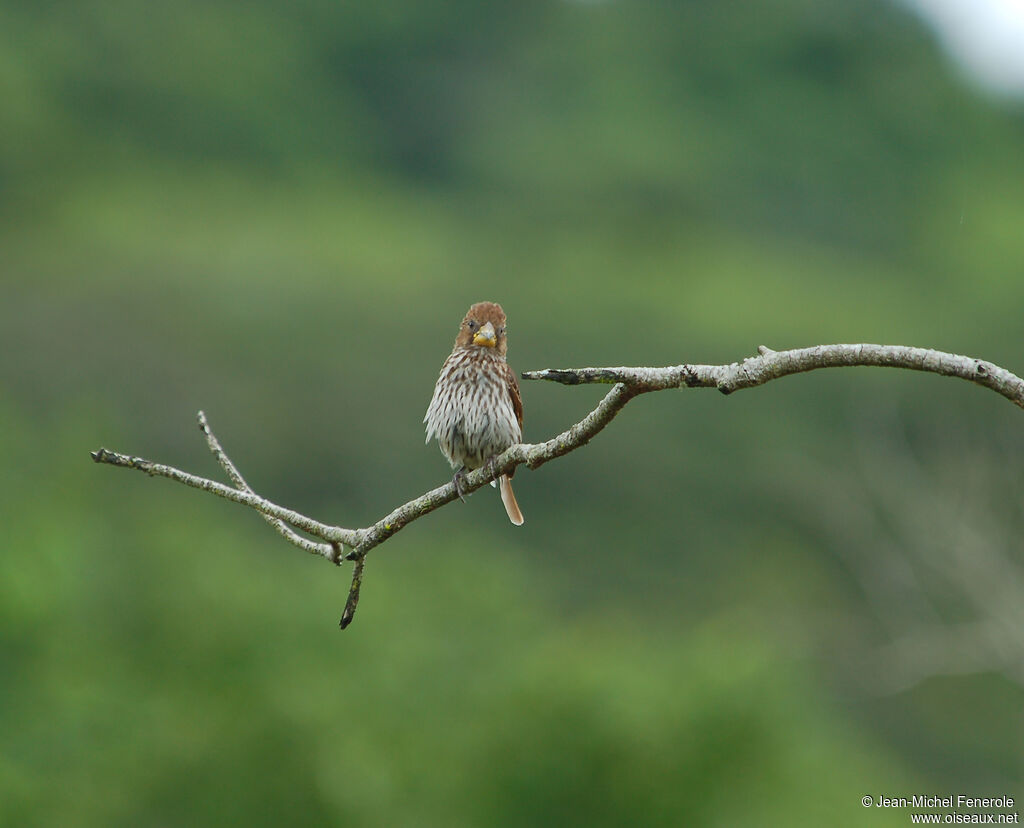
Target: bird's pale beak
<point>486,336</point>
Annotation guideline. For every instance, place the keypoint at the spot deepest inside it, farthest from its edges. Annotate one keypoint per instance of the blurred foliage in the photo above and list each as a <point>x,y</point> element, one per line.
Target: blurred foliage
<point>278,213</point>
<point>186,681</point>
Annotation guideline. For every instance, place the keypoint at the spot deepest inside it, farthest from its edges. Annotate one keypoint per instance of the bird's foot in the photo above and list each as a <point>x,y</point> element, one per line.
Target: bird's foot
<point>457,480</point>
<point>490,466</point>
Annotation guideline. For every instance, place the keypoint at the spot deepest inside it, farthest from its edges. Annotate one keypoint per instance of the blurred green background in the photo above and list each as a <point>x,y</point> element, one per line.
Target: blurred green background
<point>745,610</point>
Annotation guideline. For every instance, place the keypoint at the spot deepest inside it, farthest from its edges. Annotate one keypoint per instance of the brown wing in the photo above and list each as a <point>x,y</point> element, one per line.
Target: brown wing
<point>513,392</point>
<point>517,406</point>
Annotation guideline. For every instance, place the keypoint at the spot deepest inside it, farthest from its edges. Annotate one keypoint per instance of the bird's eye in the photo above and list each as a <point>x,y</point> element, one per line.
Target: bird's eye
<point>472,324</point>
<point>501,330</point>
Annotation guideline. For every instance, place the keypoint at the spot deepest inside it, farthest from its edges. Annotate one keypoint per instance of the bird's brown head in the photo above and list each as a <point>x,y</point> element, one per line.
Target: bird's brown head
<point>484,327</point>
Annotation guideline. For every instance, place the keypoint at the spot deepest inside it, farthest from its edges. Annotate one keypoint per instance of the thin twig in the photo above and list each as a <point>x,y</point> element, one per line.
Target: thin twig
<point>334,534</point>
<point>353,593</point>
<point>332,551</point>
<point>628,383</point>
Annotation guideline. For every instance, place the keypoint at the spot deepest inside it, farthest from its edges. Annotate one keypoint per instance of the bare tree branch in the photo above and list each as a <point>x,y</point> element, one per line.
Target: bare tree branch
<point>628,383</point>
<point>771,365</point>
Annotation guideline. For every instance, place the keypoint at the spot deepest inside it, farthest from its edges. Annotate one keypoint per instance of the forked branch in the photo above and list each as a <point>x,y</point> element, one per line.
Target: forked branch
<point>627,383</point>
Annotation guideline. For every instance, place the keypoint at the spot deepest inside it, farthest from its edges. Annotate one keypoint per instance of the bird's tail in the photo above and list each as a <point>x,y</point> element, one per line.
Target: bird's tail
<point>508,497</point>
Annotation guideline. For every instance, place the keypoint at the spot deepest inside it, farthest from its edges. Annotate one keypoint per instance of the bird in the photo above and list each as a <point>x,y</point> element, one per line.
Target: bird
<point>476,411</point>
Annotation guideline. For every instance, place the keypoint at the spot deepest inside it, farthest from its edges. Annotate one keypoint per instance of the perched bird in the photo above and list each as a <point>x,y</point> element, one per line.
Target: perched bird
<point>476,412</point>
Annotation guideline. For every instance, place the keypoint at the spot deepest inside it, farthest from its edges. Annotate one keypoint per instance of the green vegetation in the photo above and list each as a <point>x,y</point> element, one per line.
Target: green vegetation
<point>279,212</point>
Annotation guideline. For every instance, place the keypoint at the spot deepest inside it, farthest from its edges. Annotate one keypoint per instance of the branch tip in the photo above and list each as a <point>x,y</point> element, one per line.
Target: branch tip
<point>353,593</point>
